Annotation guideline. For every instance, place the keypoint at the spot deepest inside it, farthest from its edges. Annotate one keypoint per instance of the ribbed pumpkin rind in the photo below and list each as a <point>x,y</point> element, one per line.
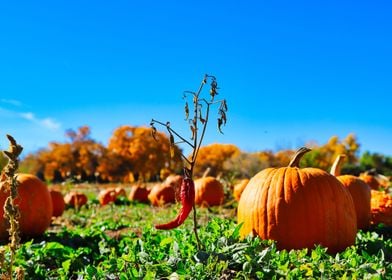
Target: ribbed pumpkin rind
<point>298,208</point>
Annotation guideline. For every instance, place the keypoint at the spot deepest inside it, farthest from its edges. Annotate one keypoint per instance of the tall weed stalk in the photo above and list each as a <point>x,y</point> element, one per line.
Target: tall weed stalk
<point>11,210</point>
<point>197,115</point>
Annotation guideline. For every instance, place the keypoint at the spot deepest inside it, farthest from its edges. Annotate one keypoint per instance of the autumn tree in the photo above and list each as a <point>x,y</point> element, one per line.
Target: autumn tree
<point>86,152</point>
<point>267,158</point>
<point>59,162</point>
<point>144,156</point>
<point>50,163</point>
<point>282,158</point>
<point>213,157</point>
<point>324,155</point>
<point>79,157</point>
<point>113,167</point>
<point>244,165</point>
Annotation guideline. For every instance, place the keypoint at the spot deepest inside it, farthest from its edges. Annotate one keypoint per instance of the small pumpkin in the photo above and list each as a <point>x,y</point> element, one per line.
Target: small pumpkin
<point>75,199</point>
<point>370,180</point>
<point>175,182</point>
<point>139,193</point>
<point>239,188</point>
<point>161,194</point>
<point>120,191</point>
<point>359,190</point>
<point>381,208</point>
<point>57,202</point>
<point>209,191</point>
<point>298,208</point>
<point>376,180</point>
<point>107,196</point>
<point>35,206</point>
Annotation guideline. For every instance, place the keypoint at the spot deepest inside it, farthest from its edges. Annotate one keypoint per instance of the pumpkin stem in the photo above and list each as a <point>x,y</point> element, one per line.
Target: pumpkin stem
<point>337,165</point>
<point>297,157</point>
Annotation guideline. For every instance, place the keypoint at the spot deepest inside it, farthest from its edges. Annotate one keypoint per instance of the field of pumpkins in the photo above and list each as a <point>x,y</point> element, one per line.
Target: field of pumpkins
<point>134,214</point>
<point>288,222</point>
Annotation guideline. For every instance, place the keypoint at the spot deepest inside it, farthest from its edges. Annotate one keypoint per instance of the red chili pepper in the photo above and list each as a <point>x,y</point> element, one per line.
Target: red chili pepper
<point>187,193</point>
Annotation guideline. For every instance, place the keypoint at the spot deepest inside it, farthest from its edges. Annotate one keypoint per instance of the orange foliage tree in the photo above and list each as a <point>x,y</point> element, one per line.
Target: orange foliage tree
<point>113,167</point>
<point>246,165</point>
<point>282,158</point>
<point>77,158</point>
<point>145,156</point>
<point>213,157</point>
<point>243,165</point>
<point>323,156</point>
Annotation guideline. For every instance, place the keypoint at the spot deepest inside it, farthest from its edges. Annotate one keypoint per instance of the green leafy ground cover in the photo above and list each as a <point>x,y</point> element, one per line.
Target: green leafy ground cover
<point>120,242</point>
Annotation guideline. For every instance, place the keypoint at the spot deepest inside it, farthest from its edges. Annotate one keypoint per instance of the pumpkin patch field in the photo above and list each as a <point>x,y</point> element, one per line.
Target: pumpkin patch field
<point>139,208</point>
<point>118,241</point>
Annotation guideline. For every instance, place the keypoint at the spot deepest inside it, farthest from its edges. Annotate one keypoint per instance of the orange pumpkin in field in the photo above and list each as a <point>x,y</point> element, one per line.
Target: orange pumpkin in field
<point>75,199</point>
<point>175,182</point>
<point>110,195</point>
<point>35,206</point>
<point>298,208</point>
<point>359,190</point>
<point>162,194</point>
<point>370,180</point>
<point>139,193</point>
<point>57,202</point>
<point>239,188</point>
<point>107,196</point>
<point>209,191</point>
<point>120,192</point>
<point>381,204</point>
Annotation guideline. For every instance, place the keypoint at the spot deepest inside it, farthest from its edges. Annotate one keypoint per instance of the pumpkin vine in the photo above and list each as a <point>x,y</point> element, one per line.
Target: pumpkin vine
<point>197,114</point>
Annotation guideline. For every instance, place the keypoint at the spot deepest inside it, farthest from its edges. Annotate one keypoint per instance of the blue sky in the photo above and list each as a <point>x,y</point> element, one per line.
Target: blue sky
<point>291,71</point>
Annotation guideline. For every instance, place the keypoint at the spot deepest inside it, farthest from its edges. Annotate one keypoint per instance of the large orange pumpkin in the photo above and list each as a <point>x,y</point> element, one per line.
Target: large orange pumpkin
<point>35,206</point>
<point>359,190</point>
<point>298,208</point>
<point>75,199</point>
<point>209,191</point>
<point>57,202</point>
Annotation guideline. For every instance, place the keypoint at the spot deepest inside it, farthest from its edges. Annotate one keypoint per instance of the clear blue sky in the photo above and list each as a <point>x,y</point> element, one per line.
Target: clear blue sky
<point>291,71</point>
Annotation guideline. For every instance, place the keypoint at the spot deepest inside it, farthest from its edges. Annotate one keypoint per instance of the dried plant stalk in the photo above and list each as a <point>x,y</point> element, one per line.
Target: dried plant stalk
<point>11,210</point>
<point>197,126</point>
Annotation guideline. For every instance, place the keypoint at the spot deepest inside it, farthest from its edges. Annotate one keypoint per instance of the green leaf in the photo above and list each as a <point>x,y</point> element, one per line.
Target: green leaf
<point>165,241</point>
<point>66,265</point>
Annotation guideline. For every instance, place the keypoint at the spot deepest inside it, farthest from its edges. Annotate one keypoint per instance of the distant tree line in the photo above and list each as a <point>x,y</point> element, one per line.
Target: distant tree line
<point>133,155</point>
